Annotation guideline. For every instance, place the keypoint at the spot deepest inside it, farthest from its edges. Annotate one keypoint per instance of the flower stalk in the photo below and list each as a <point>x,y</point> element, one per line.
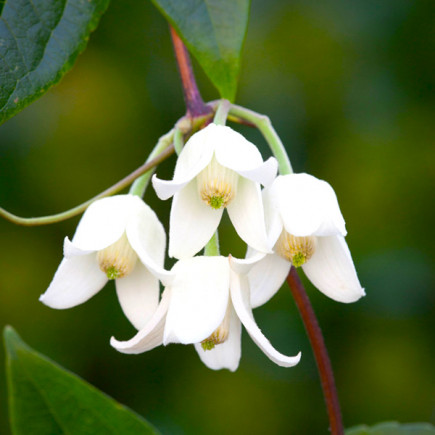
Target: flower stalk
<point>262,122</point>
<point>221,115</point>
<point>140,184</point>
<point>178,140</point>
<point>319,349</point>
<point>212,247</point>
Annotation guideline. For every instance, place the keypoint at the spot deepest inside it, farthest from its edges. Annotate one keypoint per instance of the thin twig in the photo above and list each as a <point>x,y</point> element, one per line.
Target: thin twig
<point>320,353</point>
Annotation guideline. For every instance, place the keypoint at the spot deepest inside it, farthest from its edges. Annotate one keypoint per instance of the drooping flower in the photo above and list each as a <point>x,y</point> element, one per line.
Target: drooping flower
<point>218,168</point>
<point>307,229</point>
<point>205,305</point>
<point>119,238</point>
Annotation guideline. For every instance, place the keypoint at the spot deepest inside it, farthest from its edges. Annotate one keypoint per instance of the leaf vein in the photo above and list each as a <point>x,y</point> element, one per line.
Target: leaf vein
<point>44,399</point>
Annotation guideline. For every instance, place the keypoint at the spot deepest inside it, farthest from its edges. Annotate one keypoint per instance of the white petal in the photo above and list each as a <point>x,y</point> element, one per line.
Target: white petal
<point>69,250</point>
<point>200,293</point>
<point>240,299</point>
<point>247,215</point>
<point>104,222</point>
<point>151,335</point>
<point>167,188</point>
<point>195,156</point>
<point>147,237</point>
<point>332,271</point>
<point>264,174</point>
<point>266,277</point>
<point>225,355</point>
<point>192,223</point>
<point>76,280</point>
<point>308,206</point>
<point>138,294</point>
<point>233,151</point>
<point>243,266</point>
<point>272,217</point>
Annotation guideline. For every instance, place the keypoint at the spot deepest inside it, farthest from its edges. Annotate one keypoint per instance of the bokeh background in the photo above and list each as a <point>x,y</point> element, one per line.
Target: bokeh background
<point>349,88</point>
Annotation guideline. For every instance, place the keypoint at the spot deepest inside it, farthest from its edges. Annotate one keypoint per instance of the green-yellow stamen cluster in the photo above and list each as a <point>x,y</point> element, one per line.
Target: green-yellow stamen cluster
<point>112,272</point>
<point>219,336</point>
<point>117,260</point>
<point>297,250</point>
<point>217,185</point>
<point>216,202</point>
<point>298,259</point>
<point>207,344</point>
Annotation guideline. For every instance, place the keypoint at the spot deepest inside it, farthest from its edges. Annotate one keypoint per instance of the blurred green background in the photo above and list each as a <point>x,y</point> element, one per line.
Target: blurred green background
<point>349,88</point>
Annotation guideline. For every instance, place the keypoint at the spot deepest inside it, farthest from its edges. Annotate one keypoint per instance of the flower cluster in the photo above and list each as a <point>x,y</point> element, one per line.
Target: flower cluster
<point>295,220</point>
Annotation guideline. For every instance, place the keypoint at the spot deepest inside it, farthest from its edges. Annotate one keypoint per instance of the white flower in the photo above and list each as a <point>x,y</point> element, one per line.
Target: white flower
<point>120,238</point>
<point>205,305</point>
<point>218,168</point>
<point>306,228</point>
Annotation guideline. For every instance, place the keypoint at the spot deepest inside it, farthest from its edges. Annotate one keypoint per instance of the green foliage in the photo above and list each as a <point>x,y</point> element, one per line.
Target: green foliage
<point>393,428</point>
<point>214,31</point>
<point>39,42</point>
<point>46,399</point>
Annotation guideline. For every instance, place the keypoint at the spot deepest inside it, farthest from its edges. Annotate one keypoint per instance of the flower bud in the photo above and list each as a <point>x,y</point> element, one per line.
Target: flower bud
<point>118,259</point>
<point>217,185</point>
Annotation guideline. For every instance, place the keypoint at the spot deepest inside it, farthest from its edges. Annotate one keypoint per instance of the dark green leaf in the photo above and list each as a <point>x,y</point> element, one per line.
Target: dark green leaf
<point>214,31</point>
<point>46,399</point>
<point>39,42</point>
<point>393,428</point>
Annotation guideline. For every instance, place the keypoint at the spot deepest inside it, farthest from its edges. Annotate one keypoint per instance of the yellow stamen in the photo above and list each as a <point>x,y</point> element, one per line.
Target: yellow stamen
<point>118,259</point>
<point>297,250</point>
<point>220,335</point>
<point>217,185</point>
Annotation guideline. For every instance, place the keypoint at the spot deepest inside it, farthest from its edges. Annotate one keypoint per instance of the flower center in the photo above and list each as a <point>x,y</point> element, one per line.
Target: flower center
<point>118,259</point>
<point>217,185</point>
<point>297,250</point>
<point>220,335</point>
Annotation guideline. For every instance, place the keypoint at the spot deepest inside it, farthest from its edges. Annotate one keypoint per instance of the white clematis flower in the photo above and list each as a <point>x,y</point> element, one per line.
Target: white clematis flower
<point>307,229</point>
<point>206,304</point>
<point>119,238</point>
<point>218,168</point>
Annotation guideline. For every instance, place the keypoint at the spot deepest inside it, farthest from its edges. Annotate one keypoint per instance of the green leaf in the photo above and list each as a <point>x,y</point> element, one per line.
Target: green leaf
<point>39,42</point>
<point>46,399</point>
<point>393,428</point>
<point>214,31</point>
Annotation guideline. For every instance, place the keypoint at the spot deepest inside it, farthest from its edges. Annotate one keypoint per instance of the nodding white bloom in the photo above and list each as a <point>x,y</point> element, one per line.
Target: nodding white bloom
<point>218,168</point>
<point>307,229</point>
<point>205,305</point>
<point>119,238</point>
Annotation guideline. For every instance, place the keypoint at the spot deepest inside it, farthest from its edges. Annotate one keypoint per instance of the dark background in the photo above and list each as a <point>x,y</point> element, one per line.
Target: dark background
<point>349,88</point>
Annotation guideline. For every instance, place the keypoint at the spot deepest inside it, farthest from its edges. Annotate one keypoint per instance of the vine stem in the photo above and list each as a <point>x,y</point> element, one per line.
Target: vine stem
<point>194,102</point>
<point>319,349</point>
<point>45,220</point>
<point>195,106</point>
<point>262,122</point>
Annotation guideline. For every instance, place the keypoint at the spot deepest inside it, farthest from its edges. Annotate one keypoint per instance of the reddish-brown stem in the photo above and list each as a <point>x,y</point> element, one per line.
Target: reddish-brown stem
<point>196,107</point>
<point>194,103</point>
<point>320,353</point>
